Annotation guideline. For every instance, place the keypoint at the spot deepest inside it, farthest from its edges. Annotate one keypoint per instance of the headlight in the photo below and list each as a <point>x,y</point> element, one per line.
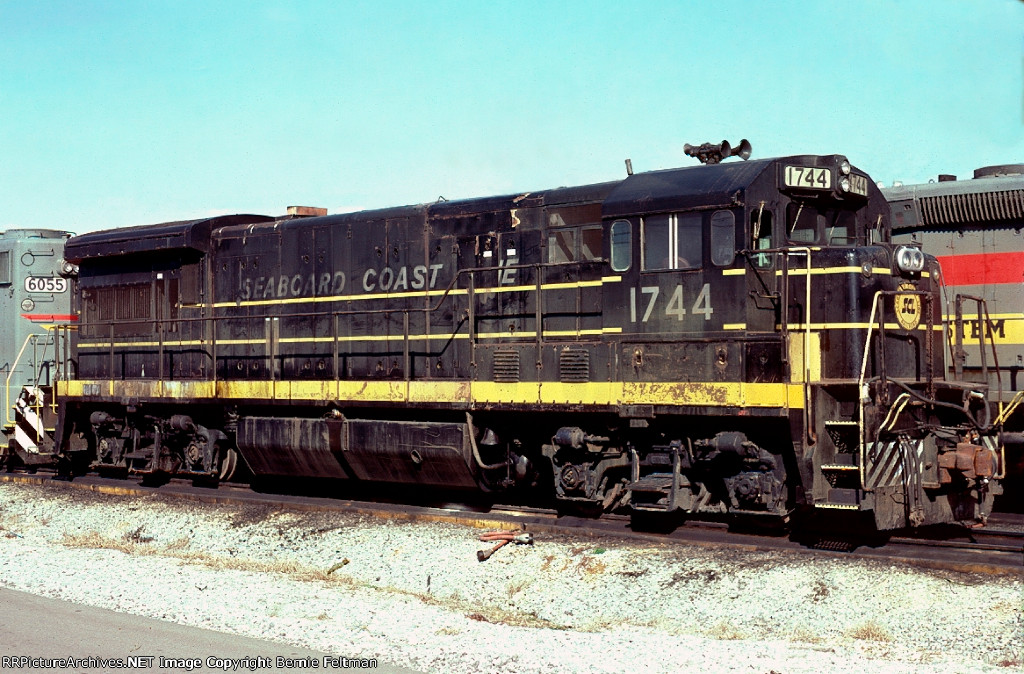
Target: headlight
<point>909,259</point>
<point>844,167</point>
<point>844,184</point>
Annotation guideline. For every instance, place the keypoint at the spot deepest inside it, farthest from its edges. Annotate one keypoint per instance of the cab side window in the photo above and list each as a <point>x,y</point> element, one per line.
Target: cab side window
<point>689,242</point>
<point>672,241</point>
<point>5,267</point>
<point>655,237</point>
<point>723,238</point>
<point>621,245</point>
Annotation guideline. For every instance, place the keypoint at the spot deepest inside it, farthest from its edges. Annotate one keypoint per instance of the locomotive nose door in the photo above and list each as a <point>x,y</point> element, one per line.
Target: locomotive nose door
<point>760,291</point>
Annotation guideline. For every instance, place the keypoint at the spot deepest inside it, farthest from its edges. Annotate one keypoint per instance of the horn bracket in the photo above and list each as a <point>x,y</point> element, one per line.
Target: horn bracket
<point>712,153</point>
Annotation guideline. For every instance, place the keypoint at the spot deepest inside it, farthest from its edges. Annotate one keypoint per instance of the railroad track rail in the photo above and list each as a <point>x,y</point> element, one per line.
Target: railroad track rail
<point>1002,534</point>
<point>995,549</point>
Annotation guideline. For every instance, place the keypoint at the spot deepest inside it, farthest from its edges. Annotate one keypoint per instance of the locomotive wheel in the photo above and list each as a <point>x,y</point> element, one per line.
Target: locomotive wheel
<point>228,464</point>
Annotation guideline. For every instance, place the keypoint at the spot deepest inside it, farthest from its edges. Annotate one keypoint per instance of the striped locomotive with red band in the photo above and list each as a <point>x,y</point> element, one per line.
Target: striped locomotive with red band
<point>974,269</point>
<point>974,228</point>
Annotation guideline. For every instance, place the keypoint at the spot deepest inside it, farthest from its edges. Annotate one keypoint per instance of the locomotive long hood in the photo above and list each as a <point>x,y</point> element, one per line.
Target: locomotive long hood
<point>193,234</point>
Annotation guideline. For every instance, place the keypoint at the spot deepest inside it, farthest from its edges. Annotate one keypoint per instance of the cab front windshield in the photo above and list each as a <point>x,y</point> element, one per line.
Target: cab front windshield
<point>813,223</point>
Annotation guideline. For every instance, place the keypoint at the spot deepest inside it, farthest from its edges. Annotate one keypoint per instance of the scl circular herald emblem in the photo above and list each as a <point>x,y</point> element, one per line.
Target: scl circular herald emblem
<point>908,308</point>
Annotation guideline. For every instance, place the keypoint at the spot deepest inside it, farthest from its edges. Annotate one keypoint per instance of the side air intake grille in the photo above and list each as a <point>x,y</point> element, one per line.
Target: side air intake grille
<point>574,365</point>
<point>127,302</point>
<point>954,209</point>
<point>506,366</point>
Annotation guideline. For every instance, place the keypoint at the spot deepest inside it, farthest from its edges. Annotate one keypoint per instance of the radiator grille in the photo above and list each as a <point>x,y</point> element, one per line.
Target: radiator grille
<point>574,365</point>
<point>127,302</point>
<point>506,366</point>
<point>952,209</point>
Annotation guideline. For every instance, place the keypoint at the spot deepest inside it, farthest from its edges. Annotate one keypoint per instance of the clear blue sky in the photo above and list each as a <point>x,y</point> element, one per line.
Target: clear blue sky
<point>134,112</point>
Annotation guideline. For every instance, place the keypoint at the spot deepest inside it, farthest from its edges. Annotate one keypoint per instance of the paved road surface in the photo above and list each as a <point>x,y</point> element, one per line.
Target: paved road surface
<point>39,627</point>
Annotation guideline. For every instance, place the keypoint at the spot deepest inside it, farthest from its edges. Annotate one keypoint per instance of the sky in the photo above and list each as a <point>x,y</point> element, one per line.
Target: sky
<point>132,112</point>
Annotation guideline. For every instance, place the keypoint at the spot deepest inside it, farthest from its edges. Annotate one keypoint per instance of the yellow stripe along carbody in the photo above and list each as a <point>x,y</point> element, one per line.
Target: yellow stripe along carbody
<point>458,393</point>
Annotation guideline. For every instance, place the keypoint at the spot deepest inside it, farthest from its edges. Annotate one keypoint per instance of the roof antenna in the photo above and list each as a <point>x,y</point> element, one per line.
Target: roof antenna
<point>629,167</point>
<point>709,153</point>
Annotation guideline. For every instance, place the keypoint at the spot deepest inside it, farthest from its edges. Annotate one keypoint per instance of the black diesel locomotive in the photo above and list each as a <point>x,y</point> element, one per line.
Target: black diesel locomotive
<point>732,338</point>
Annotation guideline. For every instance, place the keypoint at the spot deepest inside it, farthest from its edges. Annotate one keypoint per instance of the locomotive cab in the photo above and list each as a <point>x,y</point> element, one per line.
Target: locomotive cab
<point>724,290</point>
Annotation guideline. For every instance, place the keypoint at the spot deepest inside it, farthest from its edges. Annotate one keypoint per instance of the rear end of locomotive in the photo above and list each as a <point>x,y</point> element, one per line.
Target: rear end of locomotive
<point>134,395</point>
